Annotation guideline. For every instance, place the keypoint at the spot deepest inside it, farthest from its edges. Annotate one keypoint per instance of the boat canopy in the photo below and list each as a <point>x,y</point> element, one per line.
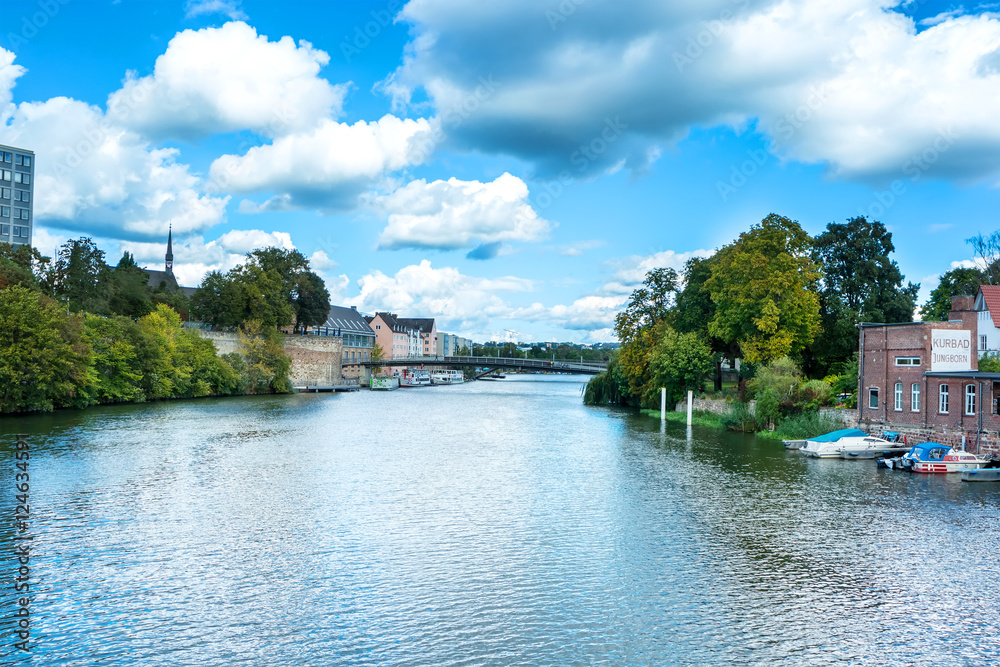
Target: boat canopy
<point>929,451</point>
<point>842,433</point>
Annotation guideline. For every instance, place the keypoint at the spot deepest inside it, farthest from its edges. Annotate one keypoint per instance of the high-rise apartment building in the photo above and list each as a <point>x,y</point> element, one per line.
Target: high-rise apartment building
<point>17,194</point>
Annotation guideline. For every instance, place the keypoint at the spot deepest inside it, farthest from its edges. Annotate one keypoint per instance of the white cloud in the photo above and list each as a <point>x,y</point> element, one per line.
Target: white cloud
<point>458,301</point>
<point>228,79</point>
<point>585,314</point>
<point>230,8</point>
<point>328,167</point>
<point>964,264</point>
<point>852,85</point>
<point>9,73</point>
<point>577,249</point>
<point>94,176</point>
<point>631,271</point>
<point>459,214</point>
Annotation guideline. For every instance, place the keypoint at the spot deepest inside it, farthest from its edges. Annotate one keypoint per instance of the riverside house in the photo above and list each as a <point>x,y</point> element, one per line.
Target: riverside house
<point>922,380</point>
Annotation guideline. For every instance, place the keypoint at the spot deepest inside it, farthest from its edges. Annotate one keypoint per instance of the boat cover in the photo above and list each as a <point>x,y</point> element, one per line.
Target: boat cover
<point>842,433</point>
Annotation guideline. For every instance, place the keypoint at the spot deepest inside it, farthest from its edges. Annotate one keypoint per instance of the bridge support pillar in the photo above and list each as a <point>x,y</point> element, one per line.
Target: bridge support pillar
<point>366,376</point>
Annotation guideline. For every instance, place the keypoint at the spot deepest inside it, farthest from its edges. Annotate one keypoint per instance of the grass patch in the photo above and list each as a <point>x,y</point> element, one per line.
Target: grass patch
<point>699,417</point>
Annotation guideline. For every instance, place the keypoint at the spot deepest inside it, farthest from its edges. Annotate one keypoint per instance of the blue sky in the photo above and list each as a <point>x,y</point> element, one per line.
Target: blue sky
<point>511,169</point>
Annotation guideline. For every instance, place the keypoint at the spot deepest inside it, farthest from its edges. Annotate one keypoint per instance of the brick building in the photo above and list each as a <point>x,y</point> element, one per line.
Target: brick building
<point>922,380</point>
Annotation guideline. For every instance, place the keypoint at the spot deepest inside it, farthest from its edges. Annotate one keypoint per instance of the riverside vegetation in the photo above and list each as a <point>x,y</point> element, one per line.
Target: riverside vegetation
<point>783,303</point>
<point>76,332</point>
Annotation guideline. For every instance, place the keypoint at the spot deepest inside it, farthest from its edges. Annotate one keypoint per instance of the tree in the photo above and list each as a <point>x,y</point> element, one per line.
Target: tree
<point>267,365</point>
<point>217,301</point>
<point>29,261</point>
<point>118,369</point>
<point>679,362</point>
<point>957,282</point>
<point>80,276</point>
<point>857,267</point>
<point>129,290</point>
<point>44,359</point>
<point>312,301</point>
<point>764,288</point>
<point>648,305</point>
<point>987,252</point>
<point>378,354</point>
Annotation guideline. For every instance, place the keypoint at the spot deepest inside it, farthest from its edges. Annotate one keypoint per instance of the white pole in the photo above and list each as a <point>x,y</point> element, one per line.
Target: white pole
<point>663,404</point>
<point>690,402</point>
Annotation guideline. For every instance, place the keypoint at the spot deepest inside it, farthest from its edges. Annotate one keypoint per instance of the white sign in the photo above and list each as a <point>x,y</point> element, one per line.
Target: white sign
<point>951,350</point>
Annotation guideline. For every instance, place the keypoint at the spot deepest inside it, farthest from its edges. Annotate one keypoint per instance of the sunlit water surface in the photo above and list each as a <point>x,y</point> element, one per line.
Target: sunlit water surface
<point>498,523</point>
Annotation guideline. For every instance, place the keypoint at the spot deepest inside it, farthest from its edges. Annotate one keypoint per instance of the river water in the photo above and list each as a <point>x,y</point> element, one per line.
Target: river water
<point>497,523</point>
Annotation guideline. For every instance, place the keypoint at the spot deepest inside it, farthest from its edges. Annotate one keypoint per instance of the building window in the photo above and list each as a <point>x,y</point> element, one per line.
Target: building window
<point>943,399</point>
<point>898,396</point>
<point>970,399</point>
<point>915,397</point>
<point>22,178</point>
<point>982,341</point>
<point>5,211</point>
<point>907,361</point>
<point>5,157</point>
<point>4,230</point>
<point>27,160</point>
<point>4,175</point>
<point>873,398</point>
<point>21,232</point>
<point>4,193</point>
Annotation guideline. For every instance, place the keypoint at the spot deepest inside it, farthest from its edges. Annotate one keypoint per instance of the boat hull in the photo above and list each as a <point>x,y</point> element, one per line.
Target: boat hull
<point>935,467</point>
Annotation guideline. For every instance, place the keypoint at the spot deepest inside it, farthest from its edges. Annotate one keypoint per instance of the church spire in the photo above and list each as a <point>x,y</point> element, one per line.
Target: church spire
<point>170,250</point>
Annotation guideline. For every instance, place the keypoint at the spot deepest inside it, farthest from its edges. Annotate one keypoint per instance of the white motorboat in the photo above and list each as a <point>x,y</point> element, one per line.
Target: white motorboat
<point>932,457</point>
<point>447,377</point>
<point>828,446</point>
<point>415,377</point>
<point>870,447</point>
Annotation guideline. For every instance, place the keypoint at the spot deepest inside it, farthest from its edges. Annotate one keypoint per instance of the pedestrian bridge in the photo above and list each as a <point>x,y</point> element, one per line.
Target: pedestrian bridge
<point>491,364</point>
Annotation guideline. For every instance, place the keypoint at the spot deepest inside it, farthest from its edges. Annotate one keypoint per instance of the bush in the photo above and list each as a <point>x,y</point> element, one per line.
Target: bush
<point>814,393</point>
<point>740,418</point>
<point>808,425</point>
<point>990,364</point>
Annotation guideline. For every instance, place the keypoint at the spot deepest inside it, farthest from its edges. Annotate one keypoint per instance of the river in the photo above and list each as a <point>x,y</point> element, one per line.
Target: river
<point>496,523</point>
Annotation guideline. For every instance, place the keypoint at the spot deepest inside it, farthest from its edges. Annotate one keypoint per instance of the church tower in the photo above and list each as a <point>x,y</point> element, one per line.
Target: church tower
<point>170,250</point>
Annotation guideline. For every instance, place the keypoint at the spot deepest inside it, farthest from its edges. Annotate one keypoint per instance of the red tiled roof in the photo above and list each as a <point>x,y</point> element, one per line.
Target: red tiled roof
<point>991,295</point>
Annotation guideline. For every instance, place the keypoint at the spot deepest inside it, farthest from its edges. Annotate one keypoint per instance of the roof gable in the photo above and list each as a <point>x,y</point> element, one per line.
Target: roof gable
<point>989,296</point>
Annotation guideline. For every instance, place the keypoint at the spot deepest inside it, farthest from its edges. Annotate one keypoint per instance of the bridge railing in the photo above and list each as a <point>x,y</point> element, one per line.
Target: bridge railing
<point>505,362</point>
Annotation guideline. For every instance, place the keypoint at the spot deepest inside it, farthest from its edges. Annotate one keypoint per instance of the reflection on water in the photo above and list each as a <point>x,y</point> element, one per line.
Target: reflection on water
<point>490,523</point>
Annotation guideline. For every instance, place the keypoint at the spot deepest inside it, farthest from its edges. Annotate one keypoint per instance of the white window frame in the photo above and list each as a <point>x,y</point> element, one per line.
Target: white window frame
<point>898,397</point>
<point>982,342</point>
<point>915,397</point>
<point>943,399</point>
<point>872,393</point>
<point>970,400</point>
<point>907,361</point>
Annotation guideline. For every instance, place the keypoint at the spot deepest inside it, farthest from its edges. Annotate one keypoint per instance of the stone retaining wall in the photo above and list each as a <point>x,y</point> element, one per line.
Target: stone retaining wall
<point>316,360</point>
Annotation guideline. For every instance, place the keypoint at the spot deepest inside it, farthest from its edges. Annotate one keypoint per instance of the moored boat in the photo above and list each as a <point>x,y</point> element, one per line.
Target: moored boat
<point>415,377</point>
<point>933,457</point>
<point>870,447</point>
<point>794,444</point>
<point>384,383</point>
<point>828,446</point>
<point>447,377</point>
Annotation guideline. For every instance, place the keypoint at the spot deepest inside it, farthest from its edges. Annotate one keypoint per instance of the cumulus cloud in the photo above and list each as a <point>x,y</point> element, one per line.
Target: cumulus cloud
<point>586,87</point>
<point>460,214</point>
<point>328,167</point>
<point>9,73</point>
<point>95,176</point>
<point>590,313</point>
<point>228,79</point>
<point>457,301</point>
<point>230,8</point>
<point>577,249</point>
<point>631,271</point>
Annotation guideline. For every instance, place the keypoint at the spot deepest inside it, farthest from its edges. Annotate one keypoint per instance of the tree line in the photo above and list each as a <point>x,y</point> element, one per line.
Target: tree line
<point>775,294</point>
<point>76,332</point>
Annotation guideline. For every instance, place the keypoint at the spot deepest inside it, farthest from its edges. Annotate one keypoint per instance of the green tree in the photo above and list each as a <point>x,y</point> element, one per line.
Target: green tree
<point>679,362</point>
<point>312,301</point>
<point>218,301</point>
<point>764,289</point>
<point>44,359</point>
<point>267,365</point>
<point>378,354</point>
<point>28,262</point>
<point>608,388</point>
<point>80,276</point>
<point>129,291</point>
<point>648,305</point>
<point>118,369</point>
<point>957,282</point>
